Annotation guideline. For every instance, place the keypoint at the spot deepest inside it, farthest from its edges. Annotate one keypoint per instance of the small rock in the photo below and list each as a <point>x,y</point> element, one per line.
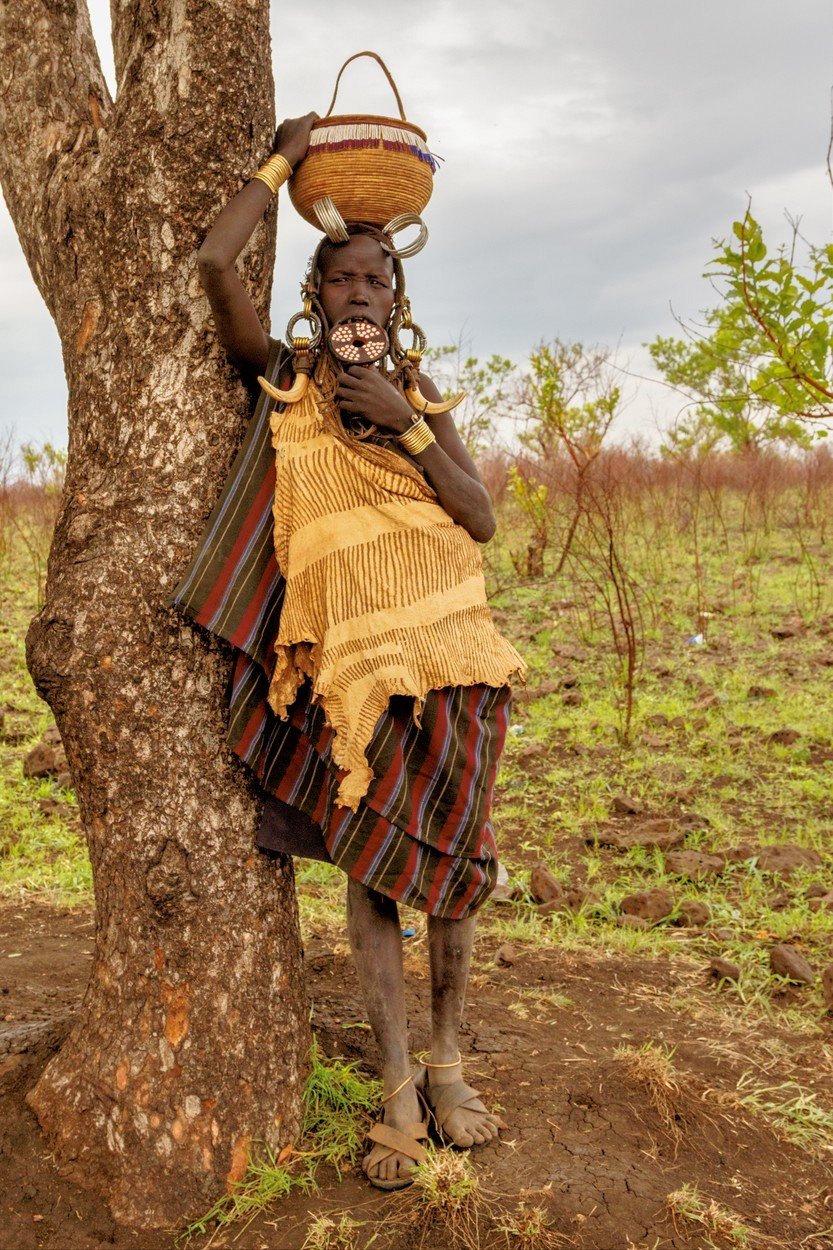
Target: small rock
<point>827,986</point>
<point>533,751</point>
<point>737,854</point>
<point>650,905</point>
<point>52,735</point>
<point>694,863</point>
<point>786,961</point>
<point>64,780</point>
<point>576,897</point>
<point>648,833</point>
<point>506,955</point>
<point>784,737</point>
<point>693,914</point>
<point>54,807</point>
<point>573,698</point>
<point>786,857</point>
<point>632,922</point>
<point>723,935</point>
<point>657,719</point>
<point>693,820</point>
<point>544,886</point>
<point>707,699</point>
<point>778,901</point>
<point>43,761</point>
<point>546,909</point>
<point>570,681</point>
<point>625,806</point>
<point>787,630</point>
<point>761,692</point>
<point>824,903</point>
<point>503,891</point>
<point>723,970</point>
<point>816,890</point>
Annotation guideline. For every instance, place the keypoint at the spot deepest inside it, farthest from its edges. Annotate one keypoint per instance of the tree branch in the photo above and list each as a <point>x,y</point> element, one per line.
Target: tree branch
<point>53,103</point>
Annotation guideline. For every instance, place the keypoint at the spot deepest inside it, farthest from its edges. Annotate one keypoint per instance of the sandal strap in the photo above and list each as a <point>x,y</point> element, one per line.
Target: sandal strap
<point>447,1098</point>
<point>405,1142</point>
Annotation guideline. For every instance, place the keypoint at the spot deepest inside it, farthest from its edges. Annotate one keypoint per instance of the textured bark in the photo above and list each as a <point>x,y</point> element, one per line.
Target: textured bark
<point>188,1048</point>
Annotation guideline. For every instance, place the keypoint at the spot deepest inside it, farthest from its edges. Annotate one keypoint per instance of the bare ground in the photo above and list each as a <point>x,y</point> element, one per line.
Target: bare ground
<point>587,1139</point>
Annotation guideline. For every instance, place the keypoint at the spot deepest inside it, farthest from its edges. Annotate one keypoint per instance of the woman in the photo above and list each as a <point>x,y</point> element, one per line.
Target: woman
<point>384,762</point>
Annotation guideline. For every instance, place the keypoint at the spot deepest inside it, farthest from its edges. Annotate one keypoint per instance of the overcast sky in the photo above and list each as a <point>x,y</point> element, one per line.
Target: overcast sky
<point>592,150</point>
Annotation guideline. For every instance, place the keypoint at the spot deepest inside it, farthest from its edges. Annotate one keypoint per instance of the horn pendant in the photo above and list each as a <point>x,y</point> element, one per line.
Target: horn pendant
<point>417,400</point>
<point>297,391</point>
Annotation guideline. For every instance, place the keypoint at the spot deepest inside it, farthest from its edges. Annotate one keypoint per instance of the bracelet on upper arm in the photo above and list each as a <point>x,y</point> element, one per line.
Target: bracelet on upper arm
<point>274,172</point>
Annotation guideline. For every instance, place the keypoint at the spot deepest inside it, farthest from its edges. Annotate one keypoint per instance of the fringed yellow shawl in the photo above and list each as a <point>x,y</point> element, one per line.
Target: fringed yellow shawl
<point>384,593</point>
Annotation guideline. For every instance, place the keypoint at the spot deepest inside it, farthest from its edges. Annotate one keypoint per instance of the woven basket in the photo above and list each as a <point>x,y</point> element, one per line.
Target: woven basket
<point>371,168</point>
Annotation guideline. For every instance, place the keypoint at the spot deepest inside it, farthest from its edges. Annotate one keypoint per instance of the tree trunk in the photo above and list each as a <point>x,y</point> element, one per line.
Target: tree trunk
<point>189,1044</point>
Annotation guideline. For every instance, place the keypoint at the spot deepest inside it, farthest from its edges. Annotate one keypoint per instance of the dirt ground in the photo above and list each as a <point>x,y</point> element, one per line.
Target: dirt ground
<point>585,1138</point>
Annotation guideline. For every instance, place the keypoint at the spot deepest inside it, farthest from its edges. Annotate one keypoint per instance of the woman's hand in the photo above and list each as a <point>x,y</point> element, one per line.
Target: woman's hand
<point>364,391</point>
<point>292,138</point>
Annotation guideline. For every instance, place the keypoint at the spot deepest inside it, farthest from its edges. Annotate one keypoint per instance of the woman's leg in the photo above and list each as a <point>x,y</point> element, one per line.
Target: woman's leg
<point>450,945</point>
<point>376,943</point>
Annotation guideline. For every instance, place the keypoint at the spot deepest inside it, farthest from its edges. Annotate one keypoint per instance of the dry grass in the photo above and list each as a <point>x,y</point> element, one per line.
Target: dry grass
<point>447,1199</point>
<point>649,1067</point>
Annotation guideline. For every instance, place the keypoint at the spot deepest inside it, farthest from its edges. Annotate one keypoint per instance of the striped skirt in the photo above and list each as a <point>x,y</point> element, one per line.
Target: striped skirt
<point>422,834</point>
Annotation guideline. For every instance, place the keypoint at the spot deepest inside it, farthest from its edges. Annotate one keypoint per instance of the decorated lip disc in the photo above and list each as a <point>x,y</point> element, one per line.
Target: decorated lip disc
<point>358,341</point>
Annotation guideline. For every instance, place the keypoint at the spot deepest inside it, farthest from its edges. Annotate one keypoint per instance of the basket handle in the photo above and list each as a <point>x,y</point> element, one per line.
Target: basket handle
<point>387,74</point>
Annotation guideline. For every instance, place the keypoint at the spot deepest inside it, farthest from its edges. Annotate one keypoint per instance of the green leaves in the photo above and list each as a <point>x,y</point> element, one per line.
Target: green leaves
<point>760,370</point>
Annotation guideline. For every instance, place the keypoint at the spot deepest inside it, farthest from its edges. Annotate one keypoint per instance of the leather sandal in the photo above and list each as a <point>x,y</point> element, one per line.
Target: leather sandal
<point>389,1141</point>
<point>445,1099</point>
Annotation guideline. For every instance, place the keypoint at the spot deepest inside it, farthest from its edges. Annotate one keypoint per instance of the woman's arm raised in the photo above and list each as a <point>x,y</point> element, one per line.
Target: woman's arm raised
<point>238,326</point>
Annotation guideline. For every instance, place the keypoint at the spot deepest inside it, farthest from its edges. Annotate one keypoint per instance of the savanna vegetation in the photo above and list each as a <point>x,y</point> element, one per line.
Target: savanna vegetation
<point>651,1001</point>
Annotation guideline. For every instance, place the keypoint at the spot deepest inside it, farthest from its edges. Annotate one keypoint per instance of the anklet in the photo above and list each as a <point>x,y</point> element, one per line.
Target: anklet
<point>396,1091</point>
<point>426,1064</point>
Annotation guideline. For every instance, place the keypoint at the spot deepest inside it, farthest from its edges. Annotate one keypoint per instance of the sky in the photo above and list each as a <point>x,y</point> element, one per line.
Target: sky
<point>592,151</point>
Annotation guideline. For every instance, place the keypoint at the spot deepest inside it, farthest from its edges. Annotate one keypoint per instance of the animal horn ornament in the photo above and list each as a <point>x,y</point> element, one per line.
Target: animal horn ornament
<point>412,359</point>
<point>302,359</point>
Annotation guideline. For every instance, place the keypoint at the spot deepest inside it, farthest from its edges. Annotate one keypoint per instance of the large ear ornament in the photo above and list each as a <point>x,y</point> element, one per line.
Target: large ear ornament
<point>297,391</point>
<point>417,400</point>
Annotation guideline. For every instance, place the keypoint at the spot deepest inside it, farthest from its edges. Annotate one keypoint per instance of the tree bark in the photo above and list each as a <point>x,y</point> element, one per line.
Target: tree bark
<point>189,1045</point>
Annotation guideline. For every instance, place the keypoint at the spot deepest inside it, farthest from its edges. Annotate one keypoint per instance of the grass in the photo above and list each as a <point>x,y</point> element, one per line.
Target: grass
<point>327,1233</point>
<point>650,1068</point>
<point>688,1209</point>
<point>529,1228</point>
<point>447,1198</point>
<point>40,853</point>
<point>794,1112</point>
<point>337,1104</point>
<point>562,766</point>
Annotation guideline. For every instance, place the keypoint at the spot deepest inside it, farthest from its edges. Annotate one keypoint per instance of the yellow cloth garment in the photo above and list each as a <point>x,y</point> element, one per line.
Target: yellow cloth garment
<point>384,593</point>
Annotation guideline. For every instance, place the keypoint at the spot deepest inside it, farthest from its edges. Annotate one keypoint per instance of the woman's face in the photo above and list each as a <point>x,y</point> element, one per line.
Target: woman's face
<point>357,279</point>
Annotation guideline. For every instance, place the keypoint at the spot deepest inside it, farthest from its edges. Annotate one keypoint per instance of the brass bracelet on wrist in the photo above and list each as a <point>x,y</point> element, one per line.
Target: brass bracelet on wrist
<point>274,172</point>
<point>418,435</point>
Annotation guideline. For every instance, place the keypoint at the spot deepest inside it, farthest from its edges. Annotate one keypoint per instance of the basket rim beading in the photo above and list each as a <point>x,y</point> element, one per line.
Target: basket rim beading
<point>344,119</point>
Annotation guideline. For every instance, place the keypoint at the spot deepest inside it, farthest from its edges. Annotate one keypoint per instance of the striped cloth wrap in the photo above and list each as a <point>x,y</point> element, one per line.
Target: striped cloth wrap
<point>421,833</point>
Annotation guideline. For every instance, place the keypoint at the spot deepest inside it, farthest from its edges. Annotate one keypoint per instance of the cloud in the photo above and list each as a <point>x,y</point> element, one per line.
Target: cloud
<point>591,152</point>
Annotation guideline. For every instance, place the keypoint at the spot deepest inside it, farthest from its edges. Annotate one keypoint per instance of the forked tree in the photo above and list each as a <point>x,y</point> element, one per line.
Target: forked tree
<point>189,1044</point>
